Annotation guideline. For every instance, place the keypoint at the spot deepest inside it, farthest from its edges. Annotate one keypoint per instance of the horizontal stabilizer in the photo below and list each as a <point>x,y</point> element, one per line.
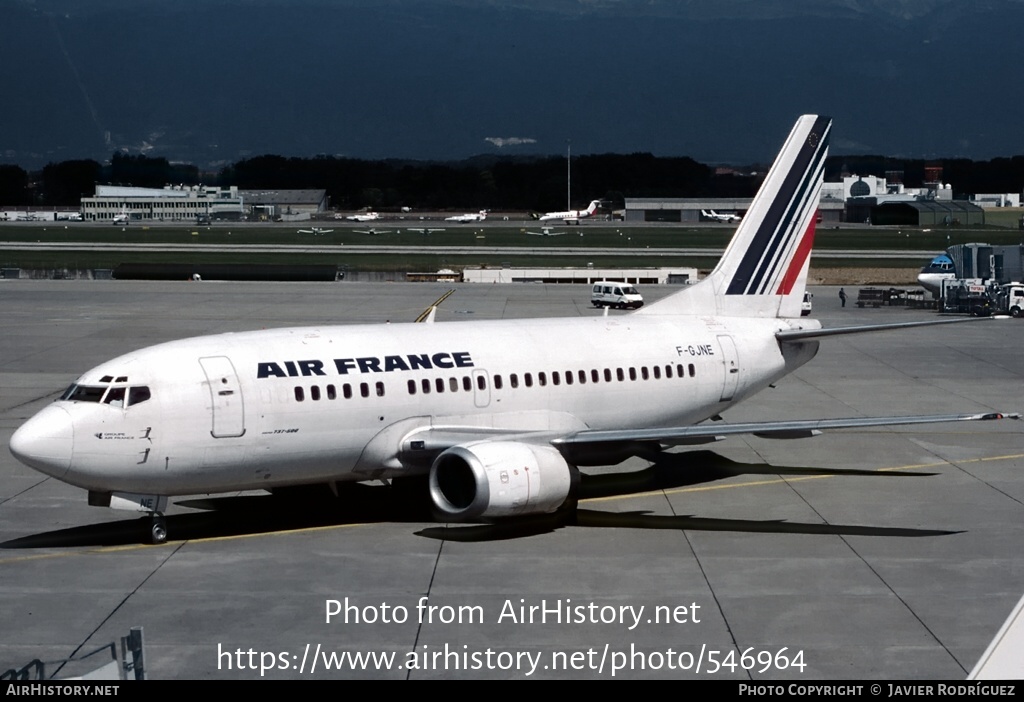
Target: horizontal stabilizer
<point>794,335</point>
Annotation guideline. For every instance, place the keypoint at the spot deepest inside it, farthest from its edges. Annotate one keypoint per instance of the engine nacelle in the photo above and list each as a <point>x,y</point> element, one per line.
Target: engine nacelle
<point>494,479</point>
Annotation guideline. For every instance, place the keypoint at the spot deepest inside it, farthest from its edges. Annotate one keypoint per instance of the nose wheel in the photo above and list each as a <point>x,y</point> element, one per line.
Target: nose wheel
<point>158,529</point>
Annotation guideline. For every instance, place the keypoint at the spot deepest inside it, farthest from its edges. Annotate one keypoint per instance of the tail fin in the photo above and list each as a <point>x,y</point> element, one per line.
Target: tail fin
<point>763,271</point>
<point>594,204</point>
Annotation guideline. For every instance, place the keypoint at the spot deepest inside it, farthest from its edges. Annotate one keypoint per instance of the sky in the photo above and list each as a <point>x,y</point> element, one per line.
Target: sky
<point>214,81</point>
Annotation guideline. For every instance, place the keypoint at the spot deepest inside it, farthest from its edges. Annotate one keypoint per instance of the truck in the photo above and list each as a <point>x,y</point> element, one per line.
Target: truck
<point>981,298</point>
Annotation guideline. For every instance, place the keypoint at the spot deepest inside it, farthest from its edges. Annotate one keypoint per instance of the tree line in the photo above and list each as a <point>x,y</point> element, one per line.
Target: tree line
<point>484,182</point>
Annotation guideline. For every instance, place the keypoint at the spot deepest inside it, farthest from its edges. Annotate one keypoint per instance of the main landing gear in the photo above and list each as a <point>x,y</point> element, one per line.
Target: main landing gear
<point>158,528</point>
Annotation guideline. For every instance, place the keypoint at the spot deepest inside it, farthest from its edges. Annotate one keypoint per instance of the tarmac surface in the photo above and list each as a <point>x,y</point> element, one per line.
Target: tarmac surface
<point>873,554</point>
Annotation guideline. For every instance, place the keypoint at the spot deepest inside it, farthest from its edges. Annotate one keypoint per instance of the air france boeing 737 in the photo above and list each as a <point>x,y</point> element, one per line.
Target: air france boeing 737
<point>499,414</point>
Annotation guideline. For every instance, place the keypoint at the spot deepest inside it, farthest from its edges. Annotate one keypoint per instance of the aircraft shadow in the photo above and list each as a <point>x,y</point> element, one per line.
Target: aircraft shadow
<point>307,508</point>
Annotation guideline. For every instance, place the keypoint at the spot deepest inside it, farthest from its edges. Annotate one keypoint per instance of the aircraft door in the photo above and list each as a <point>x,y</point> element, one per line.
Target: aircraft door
<point>732,367</point>
<point>225,397</point>
<point>481,388</point>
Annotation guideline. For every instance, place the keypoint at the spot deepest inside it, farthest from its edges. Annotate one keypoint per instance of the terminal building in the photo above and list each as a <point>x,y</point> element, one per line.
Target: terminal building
<point>199,203</point>
<point>172,203</point>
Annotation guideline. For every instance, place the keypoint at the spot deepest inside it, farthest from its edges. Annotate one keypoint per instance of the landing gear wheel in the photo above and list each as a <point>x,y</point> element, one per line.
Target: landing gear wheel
<point>158,530</point>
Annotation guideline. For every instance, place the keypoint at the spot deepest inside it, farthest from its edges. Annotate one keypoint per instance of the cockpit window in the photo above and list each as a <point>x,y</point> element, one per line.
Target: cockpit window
<point>137,395</point>
<point>84,393</point>
<point>112,396</point>
<point>115,397</point>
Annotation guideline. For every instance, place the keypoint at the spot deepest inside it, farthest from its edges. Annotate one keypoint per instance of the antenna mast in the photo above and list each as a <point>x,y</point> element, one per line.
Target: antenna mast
<point>568,174</point>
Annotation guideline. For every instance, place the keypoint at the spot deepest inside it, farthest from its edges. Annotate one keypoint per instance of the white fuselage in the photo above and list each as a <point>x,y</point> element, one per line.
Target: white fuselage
<point>308,405</point>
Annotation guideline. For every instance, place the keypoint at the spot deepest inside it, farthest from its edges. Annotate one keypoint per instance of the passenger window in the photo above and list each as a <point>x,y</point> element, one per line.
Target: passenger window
<point>299,394</point>
<point>680,371</point>
<point>481,382</point>
<point>632,373</point>
<point>608,375</point>
<point>513,380</point>
<point>453,384</point>
<point>497,382</point>
<point>542,378</point>
<point>657,372</point>
<point>528,380</point>
<point>412,387</point>
<point>364,389</point>
<point>439,384</point>
<point>619,375</point>
<point>568,377</point>
<point>643,373</point>
<point>693,370</point>
<point>555,379</point>
<point>346,391</point>
<point>583,377</point>
<point>595,377</point>
<point>380,389</point>
<point>467,385</point>
<point>314,392</point>
<point>425,384</point>
<point>668,371</point>
<point>332,393</point>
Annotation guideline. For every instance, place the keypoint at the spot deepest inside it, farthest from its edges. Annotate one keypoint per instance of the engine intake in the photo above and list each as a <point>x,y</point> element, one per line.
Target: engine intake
<point>494,479</point>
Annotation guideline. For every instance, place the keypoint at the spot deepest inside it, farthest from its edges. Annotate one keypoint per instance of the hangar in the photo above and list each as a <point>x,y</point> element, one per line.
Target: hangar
<point>915,212</point>
<point>687,210</point>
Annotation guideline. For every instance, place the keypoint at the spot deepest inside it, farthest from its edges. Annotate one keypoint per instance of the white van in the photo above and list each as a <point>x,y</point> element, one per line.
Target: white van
<point>620,296</point>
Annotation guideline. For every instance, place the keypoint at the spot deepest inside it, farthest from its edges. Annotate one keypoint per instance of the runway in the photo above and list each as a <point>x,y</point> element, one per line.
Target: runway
<point>874,554</point>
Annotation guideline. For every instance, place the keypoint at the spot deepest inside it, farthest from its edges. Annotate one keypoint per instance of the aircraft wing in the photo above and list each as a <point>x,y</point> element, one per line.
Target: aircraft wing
<point>792,429</point>
<point>611,446</point>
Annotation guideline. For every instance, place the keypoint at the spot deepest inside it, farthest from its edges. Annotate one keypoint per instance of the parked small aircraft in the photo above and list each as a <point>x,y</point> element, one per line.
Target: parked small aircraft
<point>469,217</point>
<point>727,218</point>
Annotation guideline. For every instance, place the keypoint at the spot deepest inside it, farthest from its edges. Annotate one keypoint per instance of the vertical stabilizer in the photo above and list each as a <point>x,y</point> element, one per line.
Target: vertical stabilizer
<point>763,271</point>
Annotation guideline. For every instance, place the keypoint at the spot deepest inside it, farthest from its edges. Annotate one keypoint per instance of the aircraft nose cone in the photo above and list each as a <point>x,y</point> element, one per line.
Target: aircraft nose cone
<point>45,442</point>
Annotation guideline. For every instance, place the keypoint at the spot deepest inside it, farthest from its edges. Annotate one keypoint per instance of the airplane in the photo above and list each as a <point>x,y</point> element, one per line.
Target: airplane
<point>367,217</point>
<point>122,218</point>
<point>494,418</point>
<point>545,231</point>
<point>372,231</point>
<point>426,231</point>
<point>469,217</point>
<point>938,269</point>
<point>727,218</point>
<point>315,231</point>
<point>571,216</point>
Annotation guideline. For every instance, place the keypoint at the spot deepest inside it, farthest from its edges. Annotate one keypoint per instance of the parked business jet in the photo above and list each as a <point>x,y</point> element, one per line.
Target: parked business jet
<point>571,216</point>
<point>366,217</point>
<point>469,217</point>
<point>499,414</point>
<point>727,218</point>
<point>316,231</point>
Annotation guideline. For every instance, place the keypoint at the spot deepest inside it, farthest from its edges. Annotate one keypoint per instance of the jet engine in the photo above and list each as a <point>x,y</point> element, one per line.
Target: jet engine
<point>495,479</point>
